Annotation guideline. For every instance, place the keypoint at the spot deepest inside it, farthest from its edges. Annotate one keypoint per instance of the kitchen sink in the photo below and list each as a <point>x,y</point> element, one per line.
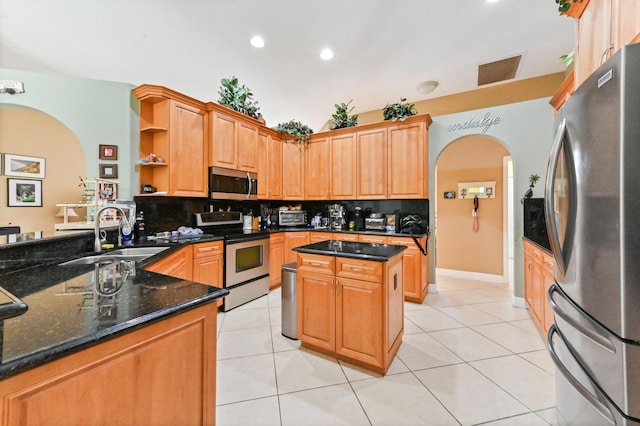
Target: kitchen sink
<point>132,253</point>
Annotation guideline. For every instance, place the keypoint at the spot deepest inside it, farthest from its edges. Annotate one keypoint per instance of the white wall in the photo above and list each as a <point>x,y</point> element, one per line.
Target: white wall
<point>526,129</point>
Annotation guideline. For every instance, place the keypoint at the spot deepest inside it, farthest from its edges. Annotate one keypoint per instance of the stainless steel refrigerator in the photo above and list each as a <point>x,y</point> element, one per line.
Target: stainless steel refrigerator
<point>592,209</point>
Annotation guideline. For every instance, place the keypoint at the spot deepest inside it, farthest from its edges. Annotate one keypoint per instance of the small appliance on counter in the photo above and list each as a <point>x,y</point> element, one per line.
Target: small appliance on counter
<point>376,221</point>
<point>337,216</point>
<point>292,218</point>
<point>358,217</point>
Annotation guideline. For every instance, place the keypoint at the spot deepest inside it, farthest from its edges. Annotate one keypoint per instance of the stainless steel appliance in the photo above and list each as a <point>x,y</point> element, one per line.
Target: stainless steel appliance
<point>591,209</point>
<point>337,216</point>
<point>376,221</point>
<point>292,218</point>
<point>246,257</point>
<point>229,184</point>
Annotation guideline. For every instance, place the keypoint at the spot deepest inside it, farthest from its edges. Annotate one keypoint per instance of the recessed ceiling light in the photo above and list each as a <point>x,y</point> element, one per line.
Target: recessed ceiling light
<point>257,41</point>
<point>427,86</point>
<point>492,1</point>
<point>326,54</point>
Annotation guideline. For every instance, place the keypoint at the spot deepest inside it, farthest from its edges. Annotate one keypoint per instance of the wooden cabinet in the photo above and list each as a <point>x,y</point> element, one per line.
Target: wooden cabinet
<point>343,167</point>
<point>234,139</point>
<point>317,170</point>
<point>538,277</point>
<point>173,129</point>
<point>276,259</point>
<point>351,308</point>
<point>292,170</point>
<point>407,162</point>
<point>269,167</point>
<point>163,373</point>
<point>316,237</point>
<point>416,268</point>
<point>178,264</point>
<point>292,240</point>
<point>371,160</point>
<point>208,263</point>
<point>374,239</point>
<point>343,236</point>
<point>203,263</point>
<point>604,26</point>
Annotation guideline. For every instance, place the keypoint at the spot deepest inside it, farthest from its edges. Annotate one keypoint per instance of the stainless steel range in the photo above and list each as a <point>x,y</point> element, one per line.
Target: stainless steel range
<point>246,257</point>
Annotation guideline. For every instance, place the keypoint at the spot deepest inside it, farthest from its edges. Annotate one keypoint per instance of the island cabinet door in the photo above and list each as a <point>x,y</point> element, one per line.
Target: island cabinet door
<point>359,320</point>
<point>317,310</point>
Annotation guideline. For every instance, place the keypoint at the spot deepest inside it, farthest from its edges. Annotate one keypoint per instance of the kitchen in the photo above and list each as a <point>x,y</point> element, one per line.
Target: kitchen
<point>527,148</point>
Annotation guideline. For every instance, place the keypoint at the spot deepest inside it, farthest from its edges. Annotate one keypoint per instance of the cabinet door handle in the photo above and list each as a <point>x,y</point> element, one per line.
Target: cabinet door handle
<point>337,287</point>
<point>356,269</point>
<point>315,264</point>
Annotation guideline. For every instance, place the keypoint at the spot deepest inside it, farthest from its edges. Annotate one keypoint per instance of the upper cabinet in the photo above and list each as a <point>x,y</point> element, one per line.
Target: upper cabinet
<point>316,170</point>
<point>234,139</point>
<point>372,164</point>
<point>604,26</point>
<point>173,129</point>
<point>343,166</point>
<point>293,155</point>
<point>407,154</point>
<point>269,166</point>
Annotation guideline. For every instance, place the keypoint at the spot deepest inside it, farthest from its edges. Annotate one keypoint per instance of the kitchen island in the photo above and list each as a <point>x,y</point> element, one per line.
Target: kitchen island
<point>350,301</point>
<point>107,343</point>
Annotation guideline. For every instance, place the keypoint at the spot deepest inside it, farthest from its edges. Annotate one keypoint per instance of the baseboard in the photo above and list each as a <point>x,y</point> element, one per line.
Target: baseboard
<point>519,302</point>
<point>471,275</point>
<point>433,288</point>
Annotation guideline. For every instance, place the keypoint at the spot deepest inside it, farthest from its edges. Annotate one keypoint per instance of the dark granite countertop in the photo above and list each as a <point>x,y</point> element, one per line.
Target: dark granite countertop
<point>364,251</point>
<point>346,231</point>
<point>74,307</point>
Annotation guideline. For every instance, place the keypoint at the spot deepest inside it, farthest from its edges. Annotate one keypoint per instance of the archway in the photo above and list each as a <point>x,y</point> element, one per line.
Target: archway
<point>467,246</point>
<point>30,132</point>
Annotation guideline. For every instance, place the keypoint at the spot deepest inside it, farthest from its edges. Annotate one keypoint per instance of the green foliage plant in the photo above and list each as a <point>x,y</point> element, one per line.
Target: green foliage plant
<point>301,132</point>
<point>237,97</point>
<point>565,5</point>
<point>399,111</point>
<point>341,118</point>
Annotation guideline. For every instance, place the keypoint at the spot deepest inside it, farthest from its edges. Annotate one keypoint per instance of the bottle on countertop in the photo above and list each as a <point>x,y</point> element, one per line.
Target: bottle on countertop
<point>139,232</point>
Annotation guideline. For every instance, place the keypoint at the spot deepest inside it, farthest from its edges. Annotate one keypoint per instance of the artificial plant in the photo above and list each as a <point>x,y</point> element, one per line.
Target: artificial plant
<point>341,118</point>
<point>301,132</point>
<point>237,97</point>
<point>399,111</point>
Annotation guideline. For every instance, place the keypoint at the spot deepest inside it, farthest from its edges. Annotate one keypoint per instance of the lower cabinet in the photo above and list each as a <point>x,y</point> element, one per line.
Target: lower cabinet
<point>276,259</point>
<point>416,268</point>
<point>164,373</point>
<point>292,240</point>
<point>203,263</point>
<point>538,277</point>
<point>350,308</point>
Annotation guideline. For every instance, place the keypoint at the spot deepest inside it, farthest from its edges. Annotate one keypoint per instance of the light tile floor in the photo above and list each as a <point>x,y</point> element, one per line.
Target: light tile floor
<point>468,357</point>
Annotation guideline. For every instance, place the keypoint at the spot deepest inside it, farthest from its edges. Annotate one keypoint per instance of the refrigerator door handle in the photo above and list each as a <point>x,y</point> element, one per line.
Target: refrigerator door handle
<point>596,402</point>
<point>549,196</point>
<point>597,333</point>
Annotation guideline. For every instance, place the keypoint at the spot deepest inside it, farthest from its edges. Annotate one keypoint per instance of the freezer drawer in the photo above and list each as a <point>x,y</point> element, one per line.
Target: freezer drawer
<point>600,360</point>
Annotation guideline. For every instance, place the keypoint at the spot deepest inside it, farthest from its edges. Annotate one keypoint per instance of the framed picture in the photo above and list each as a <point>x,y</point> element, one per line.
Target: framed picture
<point>24,193</point>
<point>450,195</point>
<point>23,166</point>
<point>108,171</point>
<point>108,152</point>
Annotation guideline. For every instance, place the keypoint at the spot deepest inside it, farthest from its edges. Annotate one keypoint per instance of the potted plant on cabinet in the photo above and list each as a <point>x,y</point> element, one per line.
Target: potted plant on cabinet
<point>399,111</point>
<point>237,97</point>
<point>533,179</point>
<point>300,132</point>
<point>341,117</point>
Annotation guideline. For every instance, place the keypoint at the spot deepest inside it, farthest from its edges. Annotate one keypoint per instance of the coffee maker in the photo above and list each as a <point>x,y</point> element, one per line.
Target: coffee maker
<point>337,216</point>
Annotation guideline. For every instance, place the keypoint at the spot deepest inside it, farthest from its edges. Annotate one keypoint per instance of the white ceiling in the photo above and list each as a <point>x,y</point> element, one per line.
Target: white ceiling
<point>383,49</point>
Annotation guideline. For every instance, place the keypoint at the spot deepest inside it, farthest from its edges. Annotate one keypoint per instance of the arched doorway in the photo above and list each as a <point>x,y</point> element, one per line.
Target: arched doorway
<point>483,251</point>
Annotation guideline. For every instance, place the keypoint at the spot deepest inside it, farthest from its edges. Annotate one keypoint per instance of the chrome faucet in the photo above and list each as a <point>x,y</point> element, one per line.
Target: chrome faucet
<point>97,244</point>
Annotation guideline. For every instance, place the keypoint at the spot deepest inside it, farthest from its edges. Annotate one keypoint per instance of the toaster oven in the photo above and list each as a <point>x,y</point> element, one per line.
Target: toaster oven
<point>292,218</point>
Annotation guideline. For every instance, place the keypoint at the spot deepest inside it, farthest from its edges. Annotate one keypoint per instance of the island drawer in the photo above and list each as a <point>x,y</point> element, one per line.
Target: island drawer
<point>212,248</point>
<point>366,270</point>
<point>316,263</point>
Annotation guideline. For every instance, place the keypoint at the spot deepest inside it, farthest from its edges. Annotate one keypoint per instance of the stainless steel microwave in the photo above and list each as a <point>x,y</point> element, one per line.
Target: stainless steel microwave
<point>229,184</point>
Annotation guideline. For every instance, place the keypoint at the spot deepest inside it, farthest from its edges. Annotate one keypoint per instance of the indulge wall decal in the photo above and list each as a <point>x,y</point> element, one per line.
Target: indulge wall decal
<point>483,123</point>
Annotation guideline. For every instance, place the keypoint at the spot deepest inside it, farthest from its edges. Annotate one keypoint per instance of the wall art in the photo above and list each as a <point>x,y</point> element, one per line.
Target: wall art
<point>108,171</point>
<point>24,193</point>
<point>24,166</point>
<point>108,152</point>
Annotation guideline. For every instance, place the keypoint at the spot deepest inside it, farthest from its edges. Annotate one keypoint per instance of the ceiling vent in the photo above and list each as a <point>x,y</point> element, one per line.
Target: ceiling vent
<point>493,72</point>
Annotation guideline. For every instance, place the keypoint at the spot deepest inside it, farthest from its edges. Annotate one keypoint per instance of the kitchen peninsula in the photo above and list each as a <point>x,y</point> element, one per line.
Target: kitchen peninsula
<point>350,301</point>
<point>106,342</point>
